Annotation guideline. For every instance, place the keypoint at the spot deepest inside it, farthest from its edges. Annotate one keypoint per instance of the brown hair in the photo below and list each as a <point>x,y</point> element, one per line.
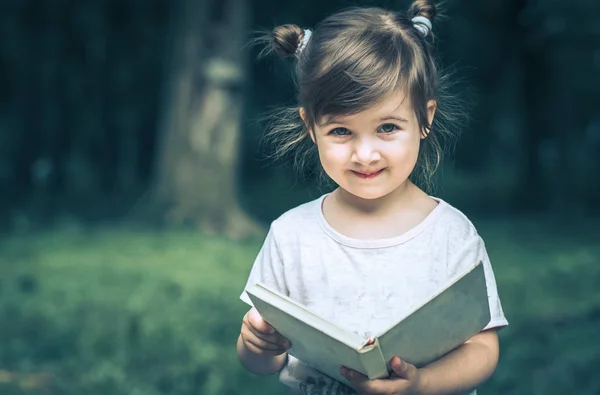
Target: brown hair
<point>354,59</point>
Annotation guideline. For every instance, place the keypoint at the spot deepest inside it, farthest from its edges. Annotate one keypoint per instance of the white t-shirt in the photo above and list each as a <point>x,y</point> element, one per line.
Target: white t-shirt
<point>364,284</point>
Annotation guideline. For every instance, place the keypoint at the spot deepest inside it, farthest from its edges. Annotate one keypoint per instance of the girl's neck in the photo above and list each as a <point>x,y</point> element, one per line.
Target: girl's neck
<point>388,216</point>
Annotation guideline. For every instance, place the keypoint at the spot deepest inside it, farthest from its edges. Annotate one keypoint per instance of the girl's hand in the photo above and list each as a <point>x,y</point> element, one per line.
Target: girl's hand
<point>404,380</point>
<point>261,338</point>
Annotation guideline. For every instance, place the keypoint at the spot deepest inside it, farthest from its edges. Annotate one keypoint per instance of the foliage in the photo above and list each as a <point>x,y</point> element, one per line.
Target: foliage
<point>124,312</point>
<point>129,311</point>
<point>84,84</point>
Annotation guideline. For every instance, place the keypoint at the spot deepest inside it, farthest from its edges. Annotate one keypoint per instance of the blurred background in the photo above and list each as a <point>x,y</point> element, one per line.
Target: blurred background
<point>135,191</point>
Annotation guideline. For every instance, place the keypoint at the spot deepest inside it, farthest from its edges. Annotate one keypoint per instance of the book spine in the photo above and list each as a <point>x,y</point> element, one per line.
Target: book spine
<point>374,365</point>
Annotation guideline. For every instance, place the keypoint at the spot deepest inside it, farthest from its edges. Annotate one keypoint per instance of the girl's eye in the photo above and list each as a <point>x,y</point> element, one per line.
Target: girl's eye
<point>388,128</point>
<point>339,132</point>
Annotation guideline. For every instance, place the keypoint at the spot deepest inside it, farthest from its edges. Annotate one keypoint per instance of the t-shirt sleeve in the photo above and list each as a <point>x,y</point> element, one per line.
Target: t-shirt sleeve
<point>473,251</point>
<point>267,268</point>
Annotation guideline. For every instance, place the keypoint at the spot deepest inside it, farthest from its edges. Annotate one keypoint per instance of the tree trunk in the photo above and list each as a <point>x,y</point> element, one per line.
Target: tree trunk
<point>197,162</point>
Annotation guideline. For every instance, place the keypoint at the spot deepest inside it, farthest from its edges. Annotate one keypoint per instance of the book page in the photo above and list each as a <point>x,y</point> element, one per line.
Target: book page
<point>453,316</point>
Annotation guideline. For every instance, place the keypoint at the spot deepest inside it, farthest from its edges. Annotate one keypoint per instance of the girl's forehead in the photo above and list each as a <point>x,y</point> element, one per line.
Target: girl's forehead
<point>396,101</point>
<point>395,104</point>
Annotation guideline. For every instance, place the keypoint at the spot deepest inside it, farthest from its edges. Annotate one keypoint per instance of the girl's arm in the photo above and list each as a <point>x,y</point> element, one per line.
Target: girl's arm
<point>459,372</point>
<point>464,369</point>
<point>262,364</point>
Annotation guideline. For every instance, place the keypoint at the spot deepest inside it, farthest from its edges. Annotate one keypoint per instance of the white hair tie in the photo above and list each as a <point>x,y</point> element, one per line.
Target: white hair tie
<point>422,24</point>
<point>305,39</point>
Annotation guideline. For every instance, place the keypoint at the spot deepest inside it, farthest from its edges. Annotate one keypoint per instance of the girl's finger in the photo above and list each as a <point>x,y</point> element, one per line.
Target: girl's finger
<point>257,322</point>
<point>263,330</point>
<point>273,338</point>
<point>258,339</point>
<point>259,347</point>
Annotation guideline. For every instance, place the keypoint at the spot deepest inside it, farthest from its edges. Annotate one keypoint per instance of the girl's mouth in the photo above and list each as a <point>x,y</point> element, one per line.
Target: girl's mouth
<point>368,175</point>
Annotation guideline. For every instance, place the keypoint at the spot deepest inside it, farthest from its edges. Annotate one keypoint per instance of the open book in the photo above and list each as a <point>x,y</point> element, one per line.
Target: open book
<point>448,319</point>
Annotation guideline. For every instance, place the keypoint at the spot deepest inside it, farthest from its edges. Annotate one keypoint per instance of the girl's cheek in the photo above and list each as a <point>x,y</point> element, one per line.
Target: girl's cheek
<point>336,152</point>
<point>399,146</point>
<point>408,143</point>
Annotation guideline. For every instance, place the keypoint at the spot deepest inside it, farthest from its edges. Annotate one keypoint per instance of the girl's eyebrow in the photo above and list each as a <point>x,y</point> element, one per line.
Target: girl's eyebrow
<point>332,120</point>
<point>400,119</point>
<point>329,121</point>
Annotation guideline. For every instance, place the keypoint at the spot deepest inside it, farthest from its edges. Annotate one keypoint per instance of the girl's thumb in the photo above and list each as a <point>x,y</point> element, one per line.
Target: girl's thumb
<point>401,368</point>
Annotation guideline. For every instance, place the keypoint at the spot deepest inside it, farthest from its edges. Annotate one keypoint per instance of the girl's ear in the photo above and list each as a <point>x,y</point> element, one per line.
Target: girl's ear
<point>431,107</point>
<point>310,131</point>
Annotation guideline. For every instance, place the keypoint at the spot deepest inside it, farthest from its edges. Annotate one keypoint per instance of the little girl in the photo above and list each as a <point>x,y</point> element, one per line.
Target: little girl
<point>372,110</point>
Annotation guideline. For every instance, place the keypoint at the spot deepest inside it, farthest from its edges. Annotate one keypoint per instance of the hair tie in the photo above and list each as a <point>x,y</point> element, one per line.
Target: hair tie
<point>422,24</point>
<point>302,44</point>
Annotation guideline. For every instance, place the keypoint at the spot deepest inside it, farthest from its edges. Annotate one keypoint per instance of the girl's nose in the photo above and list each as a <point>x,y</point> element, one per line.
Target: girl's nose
<point>365,153</point>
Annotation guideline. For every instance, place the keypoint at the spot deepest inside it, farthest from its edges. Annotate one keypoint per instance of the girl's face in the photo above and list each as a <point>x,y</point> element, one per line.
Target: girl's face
<point>371,154</point>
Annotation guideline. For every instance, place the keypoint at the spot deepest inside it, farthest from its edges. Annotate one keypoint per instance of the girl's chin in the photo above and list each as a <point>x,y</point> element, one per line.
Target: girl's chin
<point>366,194</point>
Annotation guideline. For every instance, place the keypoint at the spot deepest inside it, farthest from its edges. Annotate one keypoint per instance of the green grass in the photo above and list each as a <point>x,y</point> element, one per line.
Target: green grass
<point>116,311</point>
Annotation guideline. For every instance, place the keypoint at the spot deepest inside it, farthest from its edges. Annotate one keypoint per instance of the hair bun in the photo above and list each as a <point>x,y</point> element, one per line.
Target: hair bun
<point>286,39</point>
<point>424,8</point>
